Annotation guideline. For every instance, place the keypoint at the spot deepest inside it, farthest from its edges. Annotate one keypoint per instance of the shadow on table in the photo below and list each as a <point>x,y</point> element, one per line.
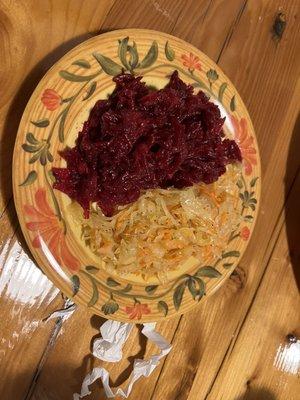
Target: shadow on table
<point>257,394</point>
<point>292,208</point>
<point>56,382</point>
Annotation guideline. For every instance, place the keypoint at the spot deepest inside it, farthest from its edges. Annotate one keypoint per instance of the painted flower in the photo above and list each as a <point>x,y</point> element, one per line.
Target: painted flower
<point>245,233</point>
<point>191,62</point>
<point>245,142</point>
<point>46,226</point>
<point>137,311</point>
<point>51,99</point>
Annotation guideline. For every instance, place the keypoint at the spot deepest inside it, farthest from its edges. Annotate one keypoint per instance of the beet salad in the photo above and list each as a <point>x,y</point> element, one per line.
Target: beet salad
<point>140,139</point>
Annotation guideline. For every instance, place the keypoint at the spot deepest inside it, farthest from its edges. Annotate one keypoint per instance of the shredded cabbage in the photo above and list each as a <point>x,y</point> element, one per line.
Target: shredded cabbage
<point>164,227</point>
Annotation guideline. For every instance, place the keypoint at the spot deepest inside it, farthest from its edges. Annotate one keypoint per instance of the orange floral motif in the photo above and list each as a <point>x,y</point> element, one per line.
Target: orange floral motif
<point>245,142</point>
<point>137,311</point>
<point>51,99</point>
<point>191,62</point>
<point>245,233</point>
<point>47,227</point>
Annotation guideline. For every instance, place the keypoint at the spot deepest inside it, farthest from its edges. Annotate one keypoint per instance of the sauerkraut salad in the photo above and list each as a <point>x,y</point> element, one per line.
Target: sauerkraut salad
<point>164,227</point>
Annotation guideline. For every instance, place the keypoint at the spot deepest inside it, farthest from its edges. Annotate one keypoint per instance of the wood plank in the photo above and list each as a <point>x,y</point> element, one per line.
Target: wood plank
<point>159,15</point>
<point>27,296</point>
<point>219,320</point>
<point>34,35</point>
<point>265,361</point>
<point>207,25</point>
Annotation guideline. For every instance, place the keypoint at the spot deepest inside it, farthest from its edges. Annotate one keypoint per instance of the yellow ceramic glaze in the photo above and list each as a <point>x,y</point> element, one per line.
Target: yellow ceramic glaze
<point>52,119</point>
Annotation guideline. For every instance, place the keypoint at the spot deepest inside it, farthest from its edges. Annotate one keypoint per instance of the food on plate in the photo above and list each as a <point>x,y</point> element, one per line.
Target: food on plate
<point>155,177</point>
<point>140,139</point>
<point>163,228</point>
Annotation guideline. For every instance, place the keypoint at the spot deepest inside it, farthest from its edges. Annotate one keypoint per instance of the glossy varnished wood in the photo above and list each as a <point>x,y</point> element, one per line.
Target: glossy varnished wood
<point>232,348</point>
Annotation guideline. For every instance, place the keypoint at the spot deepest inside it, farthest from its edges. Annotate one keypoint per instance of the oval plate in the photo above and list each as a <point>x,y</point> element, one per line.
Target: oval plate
<point>52,119</point>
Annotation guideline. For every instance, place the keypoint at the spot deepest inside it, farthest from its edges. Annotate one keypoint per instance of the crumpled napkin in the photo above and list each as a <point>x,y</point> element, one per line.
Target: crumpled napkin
<point>109,348</point>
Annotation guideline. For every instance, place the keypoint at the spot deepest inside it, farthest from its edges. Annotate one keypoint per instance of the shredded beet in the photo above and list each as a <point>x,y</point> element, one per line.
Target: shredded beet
<point>142,139</point>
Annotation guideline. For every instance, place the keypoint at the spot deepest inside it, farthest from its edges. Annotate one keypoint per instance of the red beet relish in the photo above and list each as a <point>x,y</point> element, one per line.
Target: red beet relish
<point>141,139</point>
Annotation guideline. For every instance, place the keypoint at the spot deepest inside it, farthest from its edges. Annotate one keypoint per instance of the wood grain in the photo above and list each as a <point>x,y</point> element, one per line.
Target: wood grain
<point>212,344</point>
<point>263,353</point>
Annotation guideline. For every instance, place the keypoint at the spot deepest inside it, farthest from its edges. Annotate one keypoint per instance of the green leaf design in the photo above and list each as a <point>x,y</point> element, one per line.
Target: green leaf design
<point>75,284</point>
<point>232,103</point>
<point>233,253</point>
<point>31,139</point>
<point>200,84</point>
<point>68,99</point>
<point>162,306</point>
<point>227,265</point>
<point>30,148</point>
<point>221,91</point>
<point>68,76</point>
<point>253,181</point>
<point>151,56</point>
<point>212,75</point>
<point>178,295</point>
<point>122,52</point>
<point>90,91</point>
<point>82,63</point>
<point>36,156</point>
<point>192,287</point>
<point>49,156</point>
<point>31,177</point>
<point>151,288</point>
<point>95,295</point>
<point>51,176</point>
<point>41,123</point>
<point>201,289</point>
<point>108,65</point>
<point>248,218</point>
<point>43,156</point>
<point>169,52</point>
<point>126,289</point>
<point>110,307</point>
<point>111,282</point>
<point>208,272</point>
<point>134,56</point>
<point>61,126</point>
<point>91,269</point>
<point>239,184</point>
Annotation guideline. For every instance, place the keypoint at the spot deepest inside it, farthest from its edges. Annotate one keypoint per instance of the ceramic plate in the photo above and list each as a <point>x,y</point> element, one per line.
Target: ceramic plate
<point>51,121</point>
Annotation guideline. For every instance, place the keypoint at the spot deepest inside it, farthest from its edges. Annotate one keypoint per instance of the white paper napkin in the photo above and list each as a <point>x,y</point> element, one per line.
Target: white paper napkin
<point>109,348</point>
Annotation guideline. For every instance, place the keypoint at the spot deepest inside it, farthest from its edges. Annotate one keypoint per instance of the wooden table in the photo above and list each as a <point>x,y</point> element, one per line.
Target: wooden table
<point>242,342</point>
